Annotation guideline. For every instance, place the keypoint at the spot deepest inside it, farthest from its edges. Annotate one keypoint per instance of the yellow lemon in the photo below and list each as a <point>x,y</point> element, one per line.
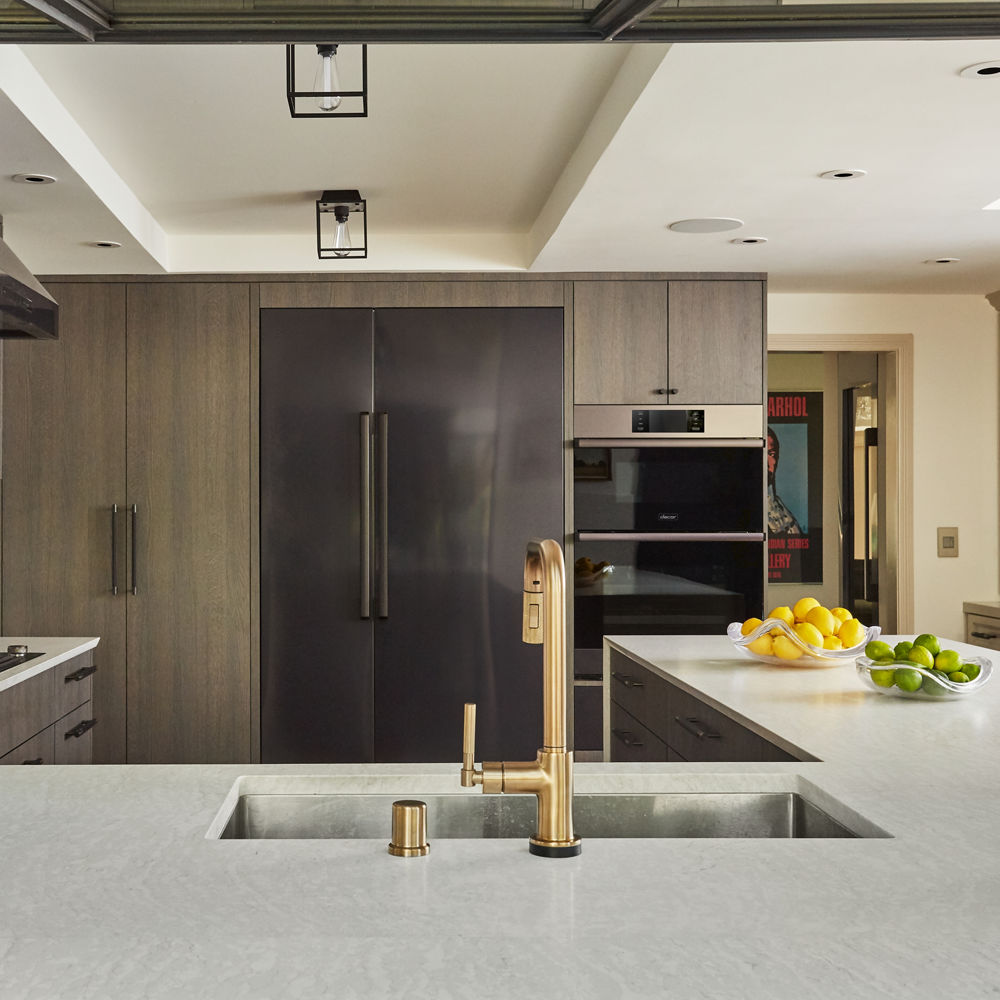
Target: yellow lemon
<point>803,606</point>
<point>851,633</point>
<point>761,646</point>
<point>809,633</point>
<point>784,613</point>
<point>842,613</point>
<point>749,625</point>
<point>786,649</point>
<point>823,620</point>
<point>832,642</point>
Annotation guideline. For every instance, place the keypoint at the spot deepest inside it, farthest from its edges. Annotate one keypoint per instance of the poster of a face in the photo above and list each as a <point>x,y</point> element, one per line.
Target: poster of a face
<point>795,487</point>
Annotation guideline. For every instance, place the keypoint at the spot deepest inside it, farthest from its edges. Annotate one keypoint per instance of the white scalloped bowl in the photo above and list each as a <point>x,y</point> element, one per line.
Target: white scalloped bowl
<point>812,656</point>
<point>933,687</point>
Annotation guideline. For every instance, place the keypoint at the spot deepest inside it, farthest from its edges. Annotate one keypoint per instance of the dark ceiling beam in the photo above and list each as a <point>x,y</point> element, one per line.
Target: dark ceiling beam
<point>81,17</point>
<point>471,24</point>
<point>613,16</point>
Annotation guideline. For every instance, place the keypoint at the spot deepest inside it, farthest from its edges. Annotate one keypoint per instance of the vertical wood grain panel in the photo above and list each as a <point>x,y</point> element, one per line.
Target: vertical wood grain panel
<point>188,473</point>
<point>620,341</point>
<point>63,468</point>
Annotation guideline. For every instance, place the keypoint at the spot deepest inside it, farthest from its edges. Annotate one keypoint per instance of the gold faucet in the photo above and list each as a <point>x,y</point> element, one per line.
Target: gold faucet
<point>550,776</point>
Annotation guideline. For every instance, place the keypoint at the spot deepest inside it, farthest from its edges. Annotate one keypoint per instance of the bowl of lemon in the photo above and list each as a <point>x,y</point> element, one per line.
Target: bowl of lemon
<point>921,669</point>
<point>804,635</point>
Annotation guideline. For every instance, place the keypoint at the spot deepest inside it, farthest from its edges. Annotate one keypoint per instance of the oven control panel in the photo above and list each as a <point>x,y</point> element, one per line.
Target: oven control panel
<point>668,421</point>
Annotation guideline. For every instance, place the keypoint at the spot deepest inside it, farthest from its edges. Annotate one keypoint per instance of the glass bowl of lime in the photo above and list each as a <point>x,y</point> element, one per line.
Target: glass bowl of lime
<point>776,642</point>
<point>906,679</point>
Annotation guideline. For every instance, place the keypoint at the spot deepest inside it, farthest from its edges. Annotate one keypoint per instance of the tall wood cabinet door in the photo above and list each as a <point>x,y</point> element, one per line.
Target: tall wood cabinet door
<point>716,342</point>
<point>188,476</point>
<point>63,469</point>
<point>620,342</point>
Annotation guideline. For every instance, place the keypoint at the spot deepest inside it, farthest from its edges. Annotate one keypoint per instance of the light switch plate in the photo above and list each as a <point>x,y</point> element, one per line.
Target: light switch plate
<point>947,542</point>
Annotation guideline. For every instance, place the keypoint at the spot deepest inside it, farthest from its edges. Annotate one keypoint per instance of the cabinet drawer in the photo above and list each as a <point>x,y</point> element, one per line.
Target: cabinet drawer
<point>73,683</point>
<point>631,740</point>
<point>641,693</point>
<point>981,631</point>
<point>25,709</point>
<point>700,733</point>
<point>74,737</point>
<point>37,750</point>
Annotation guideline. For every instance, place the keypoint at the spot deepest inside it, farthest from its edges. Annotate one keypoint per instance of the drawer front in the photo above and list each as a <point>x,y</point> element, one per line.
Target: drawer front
<point>631,740</point>
<point>700,733</point>
<point>37,750</point>
<point>74,737</point>
<point>982,631</point>
<point>641,693</point>
<point>73,682</point>
<point>25,710</point>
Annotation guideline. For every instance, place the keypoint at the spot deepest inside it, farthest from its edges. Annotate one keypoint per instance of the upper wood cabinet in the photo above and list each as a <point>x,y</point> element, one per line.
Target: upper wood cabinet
<point>684,342</point>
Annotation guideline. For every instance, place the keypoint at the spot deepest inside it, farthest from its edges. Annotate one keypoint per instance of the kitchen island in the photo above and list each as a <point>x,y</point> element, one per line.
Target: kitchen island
<point>111,889</point>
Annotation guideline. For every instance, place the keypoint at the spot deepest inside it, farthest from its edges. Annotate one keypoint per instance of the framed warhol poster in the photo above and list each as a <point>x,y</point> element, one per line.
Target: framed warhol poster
<point>795,487</point>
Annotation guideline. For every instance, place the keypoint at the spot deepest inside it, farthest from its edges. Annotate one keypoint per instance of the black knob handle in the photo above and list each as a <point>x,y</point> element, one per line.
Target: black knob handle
<point>80,728</point>
<point>78,675</point>
<point>666,392</point>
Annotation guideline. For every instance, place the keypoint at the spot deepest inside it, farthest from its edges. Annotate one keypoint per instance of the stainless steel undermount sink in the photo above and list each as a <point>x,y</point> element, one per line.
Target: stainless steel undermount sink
<point>772,814</point>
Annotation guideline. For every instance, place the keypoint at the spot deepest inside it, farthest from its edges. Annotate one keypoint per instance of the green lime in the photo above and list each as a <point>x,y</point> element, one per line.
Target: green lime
<point>902,649</point>
<point>921,656</point>
<point>931,685</point>
<point>907,679</point>
<point>878,650</point>
<point>948,660</point>
<point>958,677</point>
<point>883,678</point>
<point>971,670</point>
<point>928,641</point>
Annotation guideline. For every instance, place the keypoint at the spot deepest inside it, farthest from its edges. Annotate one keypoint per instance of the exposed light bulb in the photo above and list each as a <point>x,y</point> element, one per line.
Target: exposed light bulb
<point>327,78</point>
<point>342,238</point>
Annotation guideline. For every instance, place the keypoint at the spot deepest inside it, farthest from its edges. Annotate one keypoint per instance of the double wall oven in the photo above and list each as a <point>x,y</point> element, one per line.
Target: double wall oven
<point>670,519</point>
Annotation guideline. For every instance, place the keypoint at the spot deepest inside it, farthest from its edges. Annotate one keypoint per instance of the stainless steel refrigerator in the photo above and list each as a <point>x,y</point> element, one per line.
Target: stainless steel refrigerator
<point>406,456</point>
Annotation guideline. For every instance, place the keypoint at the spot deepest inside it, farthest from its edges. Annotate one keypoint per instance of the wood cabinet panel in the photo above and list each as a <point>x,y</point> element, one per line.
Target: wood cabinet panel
<point>25,709</point>
<point>716,341</point>
<point>188,475</point>
<point>409,294</point>
<point>72,683</point>
<point>38,750</point>
<point>632,741</point>
<point>73,737</point>
<point>63,468</point>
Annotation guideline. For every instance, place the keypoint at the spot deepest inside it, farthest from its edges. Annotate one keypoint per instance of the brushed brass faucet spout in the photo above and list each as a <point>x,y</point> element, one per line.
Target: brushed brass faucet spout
<point>550,776</point>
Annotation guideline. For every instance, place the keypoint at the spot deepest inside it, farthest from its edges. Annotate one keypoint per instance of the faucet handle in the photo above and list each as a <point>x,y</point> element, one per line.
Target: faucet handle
<point>469,774</point>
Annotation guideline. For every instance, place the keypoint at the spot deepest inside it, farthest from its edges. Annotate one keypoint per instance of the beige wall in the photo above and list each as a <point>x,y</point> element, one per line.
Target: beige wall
<point>956,364</point>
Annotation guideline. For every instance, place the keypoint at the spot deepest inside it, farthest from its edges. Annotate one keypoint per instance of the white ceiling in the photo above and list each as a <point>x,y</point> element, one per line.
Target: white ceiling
<point>539,157</point>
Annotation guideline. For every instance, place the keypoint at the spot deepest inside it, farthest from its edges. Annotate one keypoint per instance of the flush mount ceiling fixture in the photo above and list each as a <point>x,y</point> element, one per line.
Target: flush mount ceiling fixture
<point>749,240</point>
<point>844,174</point>
<point>337,75</point>
<point>33,178</point>
<point>714,225</point>
<point>334,239</point>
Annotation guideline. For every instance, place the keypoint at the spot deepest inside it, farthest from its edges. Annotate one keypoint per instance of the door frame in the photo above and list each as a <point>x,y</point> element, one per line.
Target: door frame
<point>898,441</point>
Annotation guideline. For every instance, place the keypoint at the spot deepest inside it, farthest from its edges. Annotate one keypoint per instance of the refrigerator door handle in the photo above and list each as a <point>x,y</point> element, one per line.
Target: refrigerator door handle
<point>383,515</point>
<point>668,536</point>
<point>114,549</point>
<point>135,549</point>
<point>366,514</point>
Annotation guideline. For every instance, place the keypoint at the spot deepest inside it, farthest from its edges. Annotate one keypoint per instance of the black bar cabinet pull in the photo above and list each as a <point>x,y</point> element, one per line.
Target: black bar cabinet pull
<point>383,521</point>
<point>627,737</point>
<point>695,728</point>
<point>34,760</point>
<point>629,682</point>
<point>80,728</point>
<point>984,635</point>
<point>114,549</point>
<point>366,514</point>
<point>135,549</point>
<point>78,675</point>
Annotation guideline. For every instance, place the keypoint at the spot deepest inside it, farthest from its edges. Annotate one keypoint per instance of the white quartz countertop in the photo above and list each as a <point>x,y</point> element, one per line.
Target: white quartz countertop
<point>110,889</point>
<point>55,649</point>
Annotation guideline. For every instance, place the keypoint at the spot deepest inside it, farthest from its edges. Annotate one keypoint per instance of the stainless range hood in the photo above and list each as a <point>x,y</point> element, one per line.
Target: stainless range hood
<point>26,309</point>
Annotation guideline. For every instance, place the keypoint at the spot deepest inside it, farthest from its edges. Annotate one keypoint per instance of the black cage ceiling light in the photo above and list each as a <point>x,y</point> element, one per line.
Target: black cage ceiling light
<point>334,237</point>
<point>338,75</point>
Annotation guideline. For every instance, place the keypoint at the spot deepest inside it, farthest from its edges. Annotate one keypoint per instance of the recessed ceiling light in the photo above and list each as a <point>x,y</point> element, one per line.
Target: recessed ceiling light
<point>748,240</point>
<point>842,175</point>
<point>718,225</point>
<point>943,260</point>
<point>33,179</point>
<point>103,244</point>
<point>981,71</point>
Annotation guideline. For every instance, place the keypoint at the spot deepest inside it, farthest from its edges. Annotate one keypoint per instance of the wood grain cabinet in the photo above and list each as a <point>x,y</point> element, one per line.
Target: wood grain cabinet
<point>654,720</point>
<point>679,341</point>
<point>126,509</point>
<point>49,718</point>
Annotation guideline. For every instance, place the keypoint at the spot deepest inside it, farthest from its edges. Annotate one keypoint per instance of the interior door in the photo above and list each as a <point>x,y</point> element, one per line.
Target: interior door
<point>473,458</point>
<point>316,637</point>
